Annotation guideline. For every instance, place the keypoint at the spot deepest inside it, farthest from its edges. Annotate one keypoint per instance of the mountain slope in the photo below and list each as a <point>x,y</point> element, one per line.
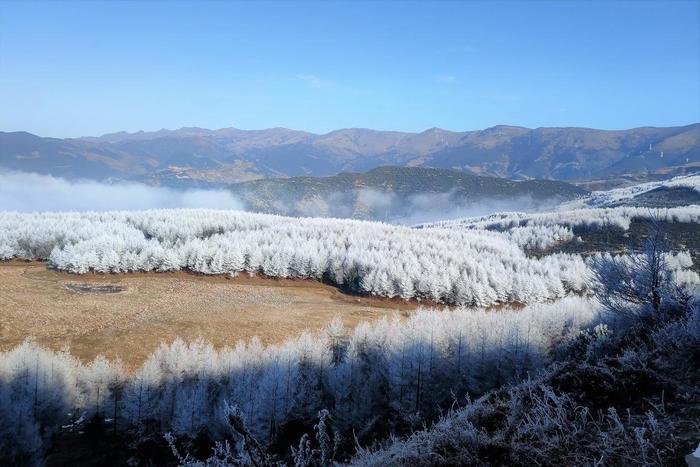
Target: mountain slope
<point>390,193</point>
<point>229,155</point>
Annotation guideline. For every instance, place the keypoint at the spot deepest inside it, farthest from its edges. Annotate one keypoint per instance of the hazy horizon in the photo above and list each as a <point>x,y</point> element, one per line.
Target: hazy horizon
<point>174,129</point>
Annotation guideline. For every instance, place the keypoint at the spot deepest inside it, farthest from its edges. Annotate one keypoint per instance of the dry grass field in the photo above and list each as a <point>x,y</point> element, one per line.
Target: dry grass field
<point>65,310</point>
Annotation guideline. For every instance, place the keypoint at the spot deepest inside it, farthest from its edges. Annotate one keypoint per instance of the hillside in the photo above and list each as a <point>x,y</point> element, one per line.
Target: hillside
<point>193,156</point>
<point>388,193</point>
<point>527,367</point>
<point>676,191</point>
<point>612,221</point>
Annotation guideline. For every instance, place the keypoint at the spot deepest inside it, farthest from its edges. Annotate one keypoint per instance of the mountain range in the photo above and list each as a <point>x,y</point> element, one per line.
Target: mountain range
<point>201,157</point>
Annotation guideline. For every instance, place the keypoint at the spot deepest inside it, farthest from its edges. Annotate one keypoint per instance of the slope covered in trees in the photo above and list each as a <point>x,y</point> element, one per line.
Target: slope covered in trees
<point>566,369</point>
<point>623,397</point>
<point>631,349</point>
<point>625,392</point>
<point>376,379</point>
<point>545,229</point>
<point>628,195</point>
<point>363,257</point>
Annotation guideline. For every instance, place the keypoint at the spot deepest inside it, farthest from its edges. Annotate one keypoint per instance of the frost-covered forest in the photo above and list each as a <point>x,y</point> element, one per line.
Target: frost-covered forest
<point>464,369</point>
<point>625,399</point>
<point>541,230</point>
<point>437,263</point>
<point>619,217</point>
<point>545,229</point>
<point>624,392</point>
<point>390,370</point>
<point>364,257</point>
<point>390,377</point>
<point>349,233</point>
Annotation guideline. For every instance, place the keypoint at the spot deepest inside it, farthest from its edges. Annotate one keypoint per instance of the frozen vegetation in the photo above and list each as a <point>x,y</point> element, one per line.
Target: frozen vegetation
<point>566,370</point>
<point>545,229</point>
<point>624,400</point>
<point>601,372</point>
<point>625,392</point>
<point>365,257</point>
<point>596,211</point>
<point>390,370</point>
<point>608,197</point>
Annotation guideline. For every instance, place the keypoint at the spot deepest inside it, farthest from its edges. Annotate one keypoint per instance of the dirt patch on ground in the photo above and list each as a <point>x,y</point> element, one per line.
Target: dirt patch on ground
<point>95,288</point>
<point>60,309</point>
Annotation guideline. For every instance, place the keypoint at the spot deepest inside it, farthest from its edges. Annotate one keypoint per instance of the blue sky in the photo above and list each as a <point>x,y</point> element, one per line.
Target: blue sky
<point>72,69</point>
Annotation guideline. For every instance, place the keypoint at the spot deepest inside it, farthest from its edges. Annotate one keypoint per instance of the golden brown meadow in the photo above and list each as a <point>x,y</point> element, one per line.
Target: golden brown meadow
<point>159,307</point>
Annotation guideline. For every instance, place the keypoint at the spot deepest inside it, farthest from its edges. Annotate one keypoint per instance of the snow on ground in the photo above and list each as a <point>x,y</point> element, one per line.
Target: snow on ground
<point>604,198</point>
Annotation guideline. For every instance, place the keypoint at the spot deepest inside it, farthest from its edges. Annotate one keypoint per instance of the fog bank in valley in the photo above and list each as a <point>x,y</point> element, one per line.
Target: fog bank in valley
<point>27,192</point>
<point>413,209</point>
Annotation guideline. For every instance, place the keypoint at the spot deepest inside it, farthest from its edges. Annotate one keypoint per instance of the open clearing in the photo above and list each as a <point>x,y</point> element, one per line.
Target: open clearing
<point>126,316</point>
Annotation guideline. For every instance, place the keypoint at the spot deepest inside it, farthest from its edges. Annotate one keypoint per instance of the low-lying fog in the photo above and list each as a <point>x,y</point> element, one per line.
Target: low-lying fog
<point>32,192</point>
<point>27,192</point>
<point>418,208</point>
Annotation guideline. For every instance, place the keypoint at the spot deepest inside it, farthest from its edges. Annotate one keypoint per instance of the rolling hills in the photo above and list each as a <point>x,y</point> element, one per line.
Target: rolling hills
<point>394,193</point>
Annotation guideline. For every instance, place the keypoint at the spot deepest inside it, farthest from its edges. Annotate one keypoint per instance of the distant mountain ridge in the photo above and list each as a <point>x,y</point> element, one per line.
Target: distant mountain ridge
<point>196,156</point>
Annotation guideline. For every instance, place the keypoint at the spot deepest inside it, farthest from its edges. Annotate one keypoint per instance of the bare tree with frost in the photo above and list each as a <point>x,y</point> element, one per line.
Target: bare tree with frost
<point>637,284</point>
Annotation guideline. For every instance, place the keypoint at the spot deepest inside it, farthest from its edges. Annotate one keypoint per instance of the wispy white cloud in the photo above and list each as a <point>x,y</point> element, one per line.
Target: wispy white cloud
<point>445,79</point>
<point>312,79</point>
